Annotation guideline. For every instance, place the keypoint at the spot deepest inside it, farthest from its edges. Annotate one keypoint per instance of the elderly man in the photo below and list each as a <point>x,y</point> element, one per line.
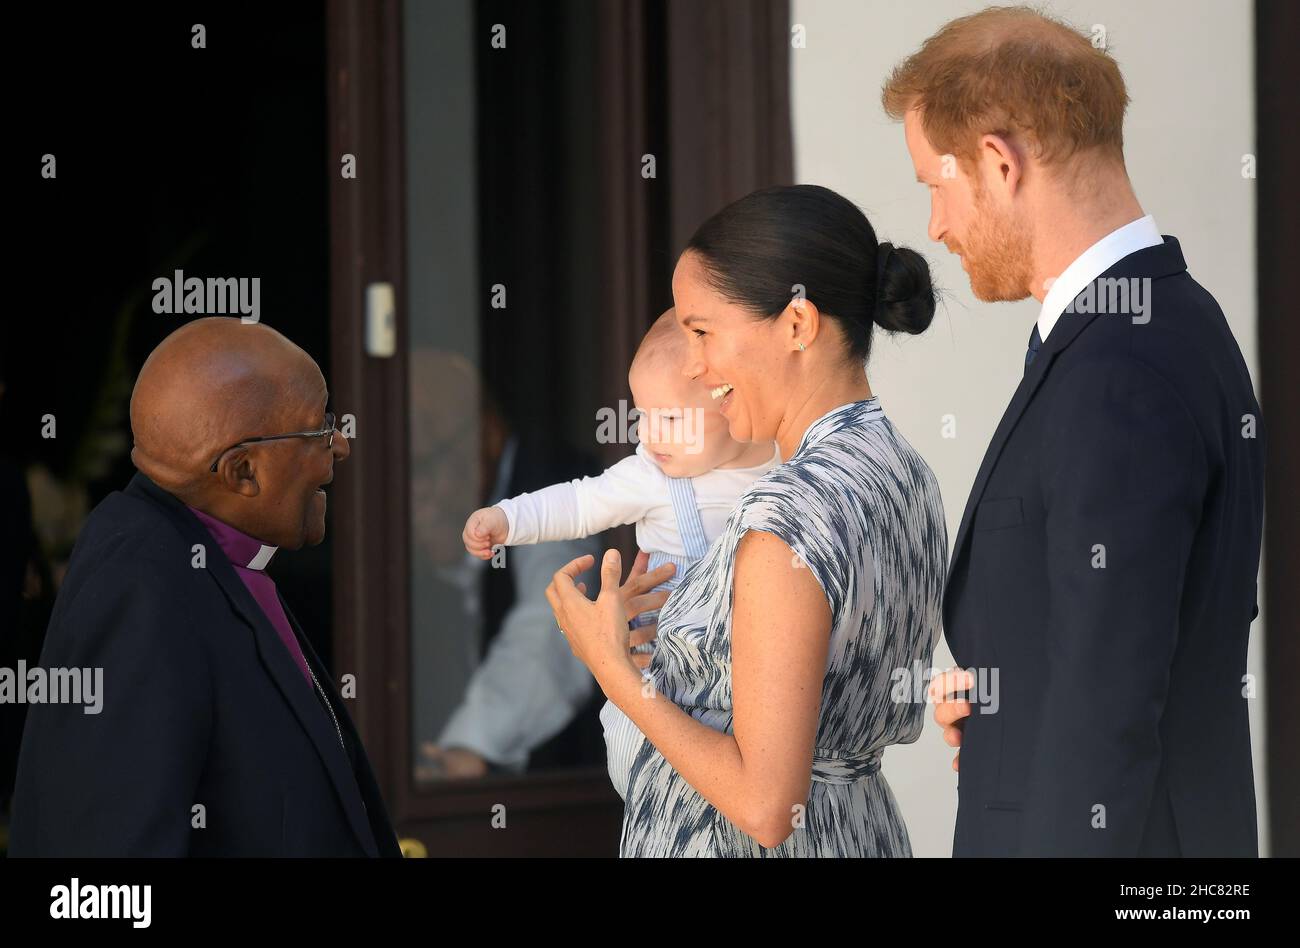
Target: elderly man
<point>220,732</point>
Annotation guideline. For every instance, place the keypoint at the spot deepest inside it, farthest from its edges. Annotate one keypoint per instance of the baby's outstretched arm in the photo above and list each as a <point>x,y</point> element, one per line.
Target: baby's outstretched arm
<point>581,507</point>
<point>485,528</point>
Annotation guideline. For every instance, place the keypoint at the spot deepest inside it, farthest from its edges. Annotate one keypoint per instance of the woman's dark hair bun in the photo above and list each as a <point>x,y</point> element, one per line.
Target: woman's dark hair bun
<point>771,244</point>
<point>904,295</point>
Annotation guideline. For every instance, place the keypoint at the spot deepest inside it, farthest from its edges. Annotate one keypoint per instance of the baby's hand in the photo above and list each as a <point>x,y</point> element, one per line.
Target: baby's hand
<point>484,529</point>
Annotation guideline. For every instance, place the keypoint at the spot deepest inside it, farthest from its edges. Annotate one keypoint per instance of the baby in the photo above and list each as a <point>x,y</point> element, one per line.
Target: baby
<point>678,488</point>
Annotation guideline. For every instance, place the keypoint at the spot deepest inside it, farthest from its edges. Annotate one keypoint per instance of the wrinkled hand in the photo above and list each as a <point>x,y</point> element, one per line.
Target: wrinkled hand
<point>452,763</point>
<point>597,631</point>
<point>950,712</point>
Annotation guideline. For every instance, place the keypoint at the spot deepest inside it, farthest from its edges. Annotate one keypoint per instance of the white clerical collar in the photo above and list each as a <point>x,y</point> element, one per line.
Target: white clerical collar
<point>263,557</point>
<point>240,548</point>
<point>1092,263</point>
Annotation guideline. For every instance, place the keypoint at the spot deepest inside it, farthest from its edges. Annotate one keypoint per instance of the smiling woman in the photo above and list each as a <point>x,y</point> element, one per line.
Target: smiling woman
<point>777,649</point>
<point>803,253</point>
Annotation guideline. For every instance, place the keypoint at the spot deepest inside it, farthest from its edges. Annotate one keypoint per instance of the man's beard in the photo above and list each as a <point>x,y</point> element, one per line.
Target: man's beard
<point>998,253</point>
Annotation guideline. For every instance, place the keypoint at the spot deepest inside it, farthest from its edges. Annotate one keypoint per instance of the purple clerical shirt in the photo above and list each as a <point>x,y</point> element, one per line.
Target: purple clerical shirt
<point>249,557</point>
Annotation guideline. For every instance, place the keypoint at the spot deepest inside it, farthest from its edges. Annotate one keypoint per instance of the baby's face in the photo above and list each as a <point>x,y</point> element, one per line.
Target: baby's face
<point>684,434</point>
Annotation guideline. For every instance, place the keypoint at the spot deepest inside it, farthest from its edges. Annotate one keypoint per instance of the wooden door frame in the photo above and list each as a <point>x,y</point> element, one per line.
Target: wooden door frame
<point>1277,76</point>
<point>369,496</point>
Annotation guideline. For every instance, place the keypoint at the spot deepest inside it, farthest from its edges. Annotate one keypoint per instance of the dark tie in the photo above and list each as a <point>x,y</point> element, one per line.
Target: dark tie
<point>1035,343</point>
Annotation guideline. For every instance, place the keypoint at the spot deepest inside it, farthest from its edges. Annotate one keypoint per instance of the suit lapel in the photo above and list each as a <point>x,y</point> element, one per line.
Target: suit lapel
<point>1024,394</point>
<point>279,664</point>
<point>1153,262</point>
<point>345,781</point>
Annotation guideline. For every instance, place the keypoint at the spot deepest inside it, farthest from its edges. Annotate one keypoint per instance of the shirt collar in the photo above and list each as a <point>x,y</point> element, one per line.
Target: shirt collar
<point>240,548</point>
<point>1092,263</point>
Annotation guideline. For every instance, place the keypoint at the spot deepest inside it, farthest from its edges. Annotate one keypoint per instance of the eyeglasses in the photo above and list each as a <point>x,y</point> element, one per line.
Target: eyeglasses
<point>327,432</point>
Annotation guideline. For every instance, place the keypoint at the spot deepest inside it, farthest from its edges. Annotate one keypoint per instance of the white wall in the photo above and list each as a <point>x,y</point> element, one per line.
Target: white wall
<point>1189,66</point>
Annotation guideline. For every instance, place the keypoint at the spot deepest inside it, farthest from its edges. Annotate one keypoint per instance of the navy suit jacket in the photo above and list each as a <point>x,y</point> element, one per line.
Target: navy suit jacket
<point>1106,569</point>
<point>202,706</point>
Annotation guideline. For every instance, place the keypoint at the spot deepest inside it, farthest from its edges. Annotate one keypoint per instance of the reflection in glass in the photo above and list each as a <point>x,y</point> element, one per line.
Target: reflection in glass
<point>495,688</point>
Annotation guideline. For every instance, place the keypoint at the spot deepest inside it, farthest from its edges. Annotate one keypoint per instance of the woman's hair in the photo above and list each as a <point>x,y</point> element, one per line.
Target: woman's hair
<point>763,250</point>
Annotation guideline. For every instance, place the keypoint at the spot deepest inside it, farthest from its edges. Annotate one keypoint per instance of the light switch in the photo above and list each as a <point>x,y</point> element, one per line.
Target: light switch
<point>381,320</point>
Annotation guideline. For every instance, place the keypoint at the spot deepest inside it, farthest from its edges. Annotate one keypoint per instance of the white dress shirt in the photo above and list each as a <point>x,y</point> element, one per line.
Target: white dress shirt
<point>1092,263</point>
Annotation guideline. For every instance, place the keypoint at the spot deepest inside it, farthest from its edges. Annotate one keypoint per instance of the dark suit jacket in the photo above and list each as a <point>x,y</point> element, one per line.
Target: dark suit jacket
<point>1106,568</point>
<point>202,705</point>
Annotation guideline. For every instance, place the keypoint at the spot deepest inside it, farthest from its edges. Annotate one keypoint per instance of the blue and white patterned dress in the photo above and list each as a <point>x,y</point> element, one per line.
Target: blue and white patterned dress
<point>862,510</point>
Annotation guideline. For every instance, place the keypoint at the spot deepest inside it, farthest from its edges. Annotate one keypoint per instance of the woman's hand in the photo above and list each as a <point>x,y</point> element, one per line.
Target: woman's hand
<point>598,632</point>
